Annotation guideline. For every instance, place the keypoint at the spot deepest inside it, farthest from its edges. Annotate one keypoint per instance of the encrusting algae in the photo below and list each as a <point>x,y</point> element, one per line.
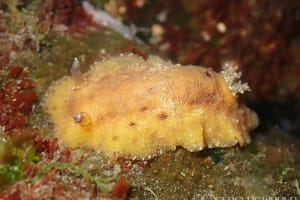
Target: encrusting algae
<point>128,107</point>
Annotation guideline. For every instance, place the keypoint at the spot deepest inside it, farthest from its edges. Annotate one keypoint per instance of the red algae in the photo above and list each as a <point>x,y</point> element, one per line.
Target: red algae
<point>120,189</point>
<point>258,36</point>
<point>17,107</point>
<point>127,164</point>
<point>68,13</point>
<point>16,99</point>
<point>55,185</point>
<point>48,146</point>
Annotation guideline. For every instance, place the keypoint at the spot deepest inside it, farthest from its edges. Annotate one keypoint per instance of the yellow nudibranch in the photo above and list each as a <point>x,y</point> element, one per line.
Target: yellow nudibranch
<point>128,107</point>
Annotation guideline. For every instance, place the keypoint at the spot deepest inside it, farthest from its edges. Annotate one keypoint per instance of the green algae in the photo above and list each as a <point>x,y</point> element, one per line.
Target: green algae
<point>102,183</point>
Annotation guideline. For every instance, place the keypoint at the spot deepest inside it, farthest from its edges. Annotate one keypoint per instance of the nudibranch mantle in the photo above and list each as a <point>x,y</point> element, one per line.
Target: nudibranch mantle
<point>134,108</point>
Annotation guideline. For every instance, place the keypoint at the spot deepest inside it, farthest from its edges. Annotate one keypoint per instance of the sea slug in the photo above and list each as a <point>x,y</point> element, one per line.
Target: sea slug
<point>129,107</point>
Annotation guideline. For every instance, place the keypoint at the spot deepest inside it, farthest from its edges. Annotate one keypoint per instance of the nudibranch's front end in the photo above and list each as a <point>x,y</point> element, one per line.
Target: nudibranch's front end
<point>128,107</point>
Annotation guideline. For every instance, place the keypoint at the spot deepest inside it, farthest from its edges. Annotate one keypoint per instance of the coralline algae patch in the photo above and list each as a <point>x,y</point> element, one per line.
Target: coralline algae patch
<point>128,107</point>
